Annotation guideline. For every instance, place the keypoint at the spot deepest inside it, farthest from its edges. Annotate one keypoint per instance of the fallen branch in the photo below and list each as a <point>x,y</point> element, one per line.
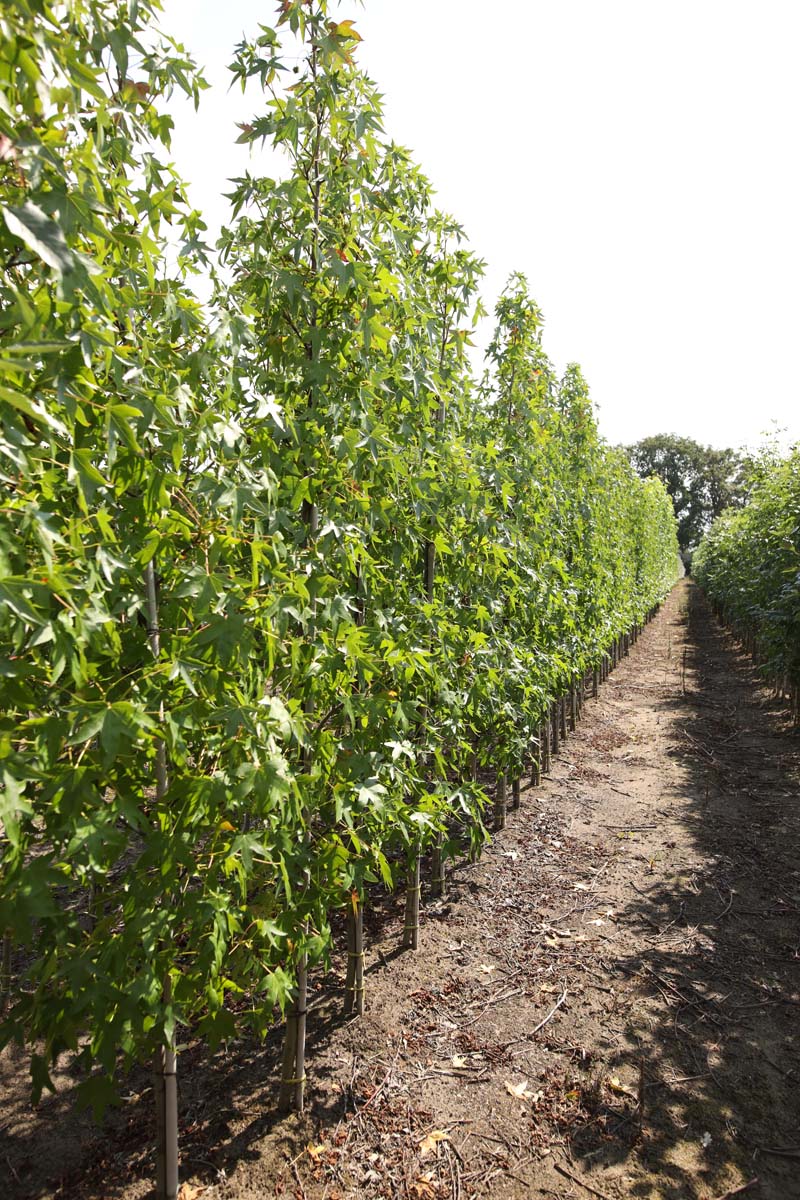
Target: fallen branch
<point>737,1191</point>
<point>563,1171</point>
<point>552,1013</point>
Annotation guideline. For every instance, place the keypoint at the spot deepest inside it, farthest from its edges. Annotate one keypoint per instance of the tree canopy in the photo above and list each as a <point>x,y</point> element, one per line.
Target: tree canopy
<point>701,480</point>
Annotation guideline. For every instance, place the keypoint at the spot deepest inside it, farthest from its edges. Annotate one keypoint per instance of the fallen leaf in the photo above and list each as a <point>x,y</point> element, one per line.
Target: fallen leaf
<point>551,941</point>
<point>431,1141</point>
<point>421,1187</point>
<point>458,1061</point>
<point>189,1191</point>
<point>580,887</point>
<point>617,1086</point>
<point>315,1152</point>
<point>487,970</point>
<point>519,1090</point>
<point>598,921</point>
<point>512,854</point>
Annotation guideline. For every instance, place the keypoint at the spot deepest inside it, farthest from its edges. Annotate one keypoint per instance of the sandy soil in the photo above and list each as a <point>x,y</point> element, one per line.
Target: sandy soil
<point>605,1005</point>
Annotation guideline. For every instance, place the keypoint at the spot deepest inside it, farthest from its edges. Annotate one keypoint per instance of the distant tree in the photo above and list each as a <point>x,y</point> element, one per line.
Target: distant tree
<point>702,481</point>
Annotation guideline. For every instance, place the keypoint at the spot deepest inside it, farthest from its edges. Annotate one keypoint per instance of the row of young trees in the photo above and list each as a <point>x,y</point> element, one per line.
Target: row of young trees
<point>749,565</point>
<point>280,580</point>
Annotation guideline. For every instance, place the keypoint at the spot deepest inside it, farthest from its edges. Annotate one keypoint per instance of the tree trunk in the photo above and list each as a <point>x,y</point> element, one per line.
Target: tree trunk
<point>500,802</point>
<point>411,927</point>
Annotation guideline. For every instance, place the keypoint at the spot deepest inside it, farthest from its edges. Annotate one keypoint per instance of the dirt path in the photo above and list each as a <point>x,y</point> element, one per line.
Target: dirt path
<point>606,1005</point>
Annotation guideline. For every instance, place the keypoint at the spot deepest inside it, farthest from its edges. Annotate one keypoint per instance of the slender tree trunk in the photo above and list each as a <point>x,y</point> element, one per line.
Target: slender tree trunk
<point>411,927</point>
<point>286,1092</point>
<point>354,984</point>
<point>166,1098</point>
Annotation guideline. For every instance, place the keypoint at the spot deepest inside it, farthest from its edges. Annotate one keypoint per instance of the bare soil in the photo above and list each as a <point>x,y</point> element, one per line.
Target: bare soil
<point>606,1005</point>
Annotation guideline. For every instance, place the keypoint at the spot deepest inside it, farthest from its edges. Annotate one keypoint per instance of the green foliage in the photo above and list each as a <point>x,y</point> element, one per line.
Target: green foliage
<point>749,564</point>
<point>701,481</point>
<point>369,567</point>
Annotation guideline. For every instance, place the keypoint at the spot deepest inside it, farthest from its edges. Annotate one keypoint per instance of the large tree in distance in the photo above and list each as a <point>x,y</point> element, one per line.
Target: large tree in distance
<point>701,481</point>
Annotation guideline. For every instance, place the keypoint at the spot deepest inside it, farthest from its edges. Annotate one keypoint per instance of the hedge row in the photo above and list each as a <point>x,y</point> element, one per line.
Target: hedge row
<point>749,565</point>
<point>281,580</point>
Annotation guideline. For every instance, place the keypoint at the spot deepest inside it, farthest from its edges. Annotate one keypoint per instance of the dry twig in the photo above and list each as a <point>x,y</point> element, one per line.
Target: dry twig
<point>582,1183</point>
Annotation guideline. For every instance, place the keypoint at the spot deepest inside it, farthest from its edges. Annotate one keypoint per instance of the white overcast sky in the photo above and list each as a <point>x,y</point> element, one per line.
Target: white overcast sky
<point>637,159</point>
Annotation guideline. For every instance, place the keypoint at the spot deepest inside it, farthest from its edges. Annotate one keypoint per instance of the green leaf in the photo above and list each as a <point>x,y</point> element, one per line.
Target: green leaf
<point>43,236</point>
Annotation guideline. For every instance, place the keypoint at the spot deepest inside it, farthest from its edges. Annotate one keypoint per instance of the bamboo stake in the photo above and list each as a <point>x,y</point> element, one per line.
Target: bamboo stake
<point>562,717</point>
<point>437,866</point>
<point>359,955</point>
<point>554,728</point>
<point>165,1083</point>
<point>595,682</point>
<point>350,977</point>
<point>500,801</point>
<point>300,1017</point>
<point>5,973</point>
<point>515,794</point>
<point>573,709</point>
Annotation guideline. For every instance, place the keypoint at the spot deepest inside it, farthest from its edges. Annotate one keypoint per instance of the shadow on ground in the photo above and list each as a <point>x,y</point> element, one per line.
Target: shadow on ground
<point>715,1043</point>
